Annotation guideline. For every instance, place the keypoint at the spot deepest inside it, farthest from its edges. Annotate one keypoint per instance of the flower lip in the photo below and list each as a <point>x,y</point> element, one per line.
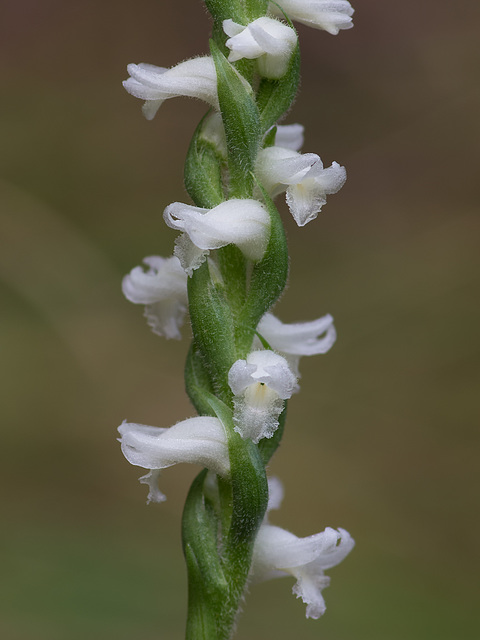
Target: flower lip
<point>265,367</point>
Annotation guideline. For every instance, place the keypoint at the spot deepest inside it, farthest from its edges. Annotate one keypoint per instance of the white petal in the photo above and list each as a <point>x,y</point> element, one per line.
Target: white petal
<point>284,550</point>
<point>242,44</point>
<point>301,338</point>
<point>265,367</point>
<point>164,278</point>
<point>290,136</point>
<point>151,480</point>
<point>245,223</point>
<point>195,78</point>
<point>163,289</point>
<point>309,589</point>
<point>277,167</point>
<point>306,198</point>
<point>199,440</point>
<point>329,15</point>
<point>190,256</point>
<point>275,494</point>
<point>256,412</point>
<point>265,39</point>
<point>278,552</point>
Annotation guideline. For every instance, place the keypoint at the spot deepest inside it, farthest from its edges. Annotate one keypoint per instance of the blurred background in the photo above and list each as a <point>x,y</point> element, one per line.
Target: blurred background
<point>383,438</point>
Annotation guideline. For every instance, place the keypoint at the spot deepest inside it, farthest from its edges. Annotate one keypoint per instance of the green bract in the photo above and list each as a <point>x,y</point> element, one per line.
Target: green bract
<point>241,120</point>
<point>203,172</point>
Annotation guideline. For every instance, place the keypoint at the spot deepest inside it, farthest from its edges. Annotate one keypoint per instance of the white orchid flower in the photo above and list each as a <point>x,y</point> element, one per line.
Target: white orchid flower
<point>245,223</point>
<point>194,78</point>
<point>260,384</point>
<point>299,338</point>
<point>162,288</point>
<point>329,15</point>
<point>201,440</point>
<point>269,41</point>
<point>302,176</point>
<point>278,553</point>
<point>290,136</point>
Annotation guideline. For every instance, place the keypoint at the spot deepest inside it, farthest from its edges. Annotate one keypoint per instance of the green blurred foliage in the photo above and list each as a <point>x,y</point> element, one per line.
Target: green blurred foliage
<point>383,439</point>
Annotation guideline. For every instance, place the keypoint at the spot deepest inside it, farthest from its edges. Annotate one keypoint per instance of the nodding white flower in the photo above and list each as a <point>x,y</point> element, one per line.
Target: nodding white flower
<point>195,78</point>
<point>269,41</point>
<point>163,291</point>
<point>298,339</point>
<point>201,440</point>
<point>278,553</point>
<point>329,15</point>
<point>302,176</point>
<point>290,136</point>
<point>245,223</point>
<point>260,383</point>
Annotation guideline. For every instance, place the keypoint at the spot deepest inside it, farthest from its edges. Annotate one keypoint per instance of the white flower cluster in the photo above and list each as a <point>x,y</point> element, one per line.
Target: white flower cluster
<point>268,376</point>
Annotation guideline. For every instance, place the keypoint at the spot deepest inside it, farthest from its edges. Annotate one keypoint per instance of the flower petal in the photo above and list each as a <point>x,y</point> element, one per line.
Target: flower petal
<point>300,338</point>
<point>163,289</point>
<point>199,440</point>
<point>265,39</point>
<point>244,222</point>
<point>290,136</point>
<point>194,78</point>
<point>329,15</point>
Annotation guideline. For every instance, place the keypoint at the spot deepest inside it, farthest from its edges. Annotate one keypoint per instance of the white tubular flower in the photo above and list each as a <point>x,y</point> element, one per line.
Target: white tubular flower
<point>298,339</point>
<point>195,78</point>
<point>290,136</point>
<point>302,176</point>
<point>269,41</point>
<point>329,15</point>
<point>201,440</point>
<point>245,223</point>
<point>279,553</point>
<point>260,383</point>
<point>163,291</point>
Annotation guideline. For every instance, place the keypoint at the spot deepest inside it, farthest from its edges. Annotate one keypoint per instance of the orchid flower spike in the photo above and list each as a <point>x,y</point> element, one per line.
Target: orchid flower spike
<point>329,15</point>
<point>298,339</point>
<point>245,223</point>
<point>201,440</point>
<point>260,384</point>
<point>269,41</point>
<point>302,176</point>
<point>163,291</point>
<point>195,78</point>
<point>277,553</point>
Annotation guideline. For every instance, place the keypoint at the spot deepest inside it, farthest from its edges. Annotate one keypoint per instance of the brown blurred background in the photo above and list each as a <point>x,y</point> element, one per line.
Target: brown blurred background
<point>383,438</point>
